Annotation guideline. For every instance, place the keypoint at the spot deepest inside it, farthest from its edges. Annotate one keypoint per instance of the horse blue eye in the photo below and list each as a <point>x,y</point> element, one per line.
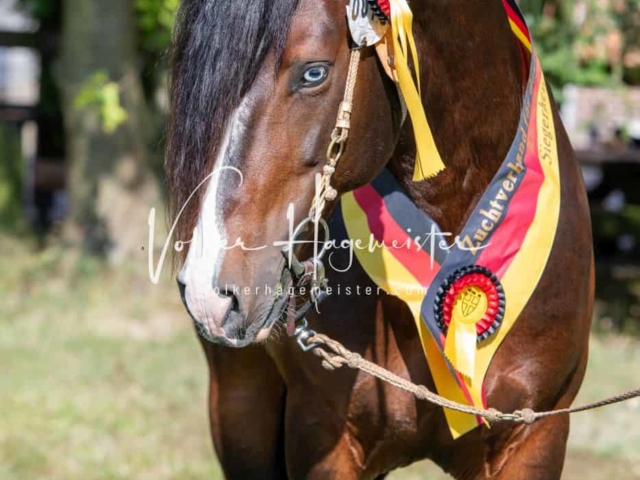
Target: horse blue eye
<point>315,75</point>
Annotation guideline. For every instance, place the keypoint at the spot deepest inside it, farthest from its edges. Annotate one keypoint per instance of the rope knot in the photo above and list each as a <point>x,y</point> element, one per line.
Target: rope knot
<point>422,392</point>
<point>329,362</point>
<point>526,416</point>
<point>331,194</point>
<point>493,415</point>
<point>339,135</point>
<point>353,360</point>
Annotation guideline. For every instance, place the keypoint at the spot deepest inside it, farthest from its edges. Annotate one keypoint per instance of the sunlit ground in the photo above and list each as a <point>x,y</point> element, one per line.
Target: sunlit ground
<point>101,378</point>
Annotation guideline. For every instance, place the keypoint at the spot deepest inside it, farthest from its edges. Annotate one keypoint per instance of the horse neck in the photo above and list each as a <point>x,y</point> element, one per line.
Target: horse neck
<point>472,74</point>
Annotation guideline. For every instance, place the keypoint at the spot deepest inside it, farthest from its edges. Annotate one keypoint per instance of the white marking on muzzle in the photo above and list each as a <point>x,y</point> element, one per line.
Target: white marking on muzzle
<point>206,252</point>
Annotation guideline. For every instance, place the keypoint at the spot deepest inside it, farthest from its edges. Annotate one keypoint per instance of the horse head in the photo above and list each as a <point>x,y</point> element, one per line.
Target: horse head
<point>255,95</point>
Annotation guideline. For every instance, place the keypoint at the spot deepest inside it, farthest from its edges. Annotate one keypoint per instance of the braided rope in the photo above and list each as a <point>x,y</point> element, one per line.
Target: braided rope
<point>335,356</point>
<point>339,136</point>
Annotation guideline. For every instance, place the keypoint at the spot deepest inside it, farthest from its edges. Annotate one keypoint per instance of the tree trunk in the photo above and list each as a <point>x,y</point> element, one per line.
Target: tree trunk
<point>111,183</point>
<point>10,176</point>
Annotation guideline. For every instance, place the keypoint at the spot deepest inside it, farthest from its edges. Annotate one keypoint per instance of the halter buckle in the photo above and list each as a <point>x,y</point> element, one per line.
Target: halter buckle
<point>303,334</point>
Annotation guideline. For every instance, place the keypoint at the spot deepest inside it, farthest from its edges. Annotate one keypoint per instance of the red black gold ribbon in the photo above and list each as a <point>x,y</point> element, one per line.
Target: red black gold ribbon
<point>467,297</point>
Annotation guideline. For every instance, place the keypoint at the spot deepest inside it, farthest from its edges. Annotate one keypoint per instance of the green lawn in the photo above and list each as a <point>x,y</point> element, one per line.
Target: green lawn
<point>101,378</point>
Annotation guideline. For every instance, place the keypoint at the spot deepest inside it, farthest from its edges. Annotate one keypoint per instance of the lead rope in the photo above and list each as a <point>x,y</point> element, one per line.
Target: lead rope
<point>335,356</point>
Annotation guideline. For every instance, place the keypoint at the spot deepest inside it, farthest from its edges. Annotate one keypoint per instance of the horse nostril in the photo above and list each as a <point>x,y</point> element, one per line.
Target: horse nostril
<point>211,306</point>
<point>216,310</point>
<point>183,290</point>
<point>235,303</point>
<point>234,322</point>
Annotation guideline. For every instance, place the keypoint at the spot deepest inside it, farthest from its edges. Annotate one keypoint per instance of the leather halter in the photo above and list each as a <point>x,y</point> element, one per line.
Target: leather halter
<point>310,274</point>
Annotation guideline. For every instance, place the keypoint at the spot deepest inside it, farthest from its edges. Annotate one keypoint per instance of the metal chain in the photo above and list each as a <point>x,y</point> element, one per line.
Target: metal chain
<point>335,356</point>
<point>339,136</point>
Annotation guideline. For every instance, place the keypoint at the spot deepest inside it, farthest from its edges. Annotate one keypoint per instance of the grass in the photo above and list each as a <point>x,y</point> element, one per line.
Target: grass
<point>95,385</point>
<point>102,378</point>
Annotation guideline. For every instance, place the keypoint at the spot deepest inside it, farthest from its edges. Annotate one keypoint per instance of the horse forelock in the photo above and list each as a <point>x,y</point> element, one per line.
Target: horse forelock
<point>219,48</point>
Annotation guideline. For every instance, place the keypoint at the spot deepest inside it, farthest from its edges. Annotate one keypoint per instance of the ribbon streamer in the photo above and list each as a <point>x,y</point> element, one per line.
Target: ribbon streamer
<point>460,347</point>
<point>428,161</point>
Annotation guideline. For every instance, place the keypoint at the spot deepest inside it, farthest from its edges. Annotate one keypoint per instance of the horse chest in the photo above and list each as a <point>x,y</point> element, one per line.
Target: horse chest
<point>389,427</point>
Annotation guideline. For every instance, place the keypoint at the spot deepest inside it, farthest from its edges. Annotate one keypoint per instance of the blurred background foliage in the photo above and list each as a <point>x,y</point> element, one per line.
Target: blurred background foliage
<point>154,19</point>
<point>155,23</point>
<point>586,42</point>
<point>103,96</point>
<point>39,9</point>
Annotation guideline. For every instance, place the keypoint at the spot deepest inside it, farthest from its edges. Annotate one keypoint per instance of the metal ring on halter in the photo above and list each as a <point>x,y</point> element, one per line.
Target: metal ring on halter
<point>301,228</point>
<point>302,312</point>
<point>336,149</point>
<point>303,334</point>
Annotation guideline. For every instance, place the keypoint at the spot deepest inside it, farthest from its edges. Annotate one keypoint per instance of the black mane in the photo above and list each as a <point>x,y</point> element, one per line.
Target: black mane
<point>219,47</point>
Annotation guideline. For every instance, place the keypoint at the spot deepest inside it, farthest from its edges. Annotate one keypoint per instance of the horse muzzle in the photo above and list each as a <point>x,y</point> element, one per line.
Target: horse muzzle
<point>232,316</point>
<point>219,318</point>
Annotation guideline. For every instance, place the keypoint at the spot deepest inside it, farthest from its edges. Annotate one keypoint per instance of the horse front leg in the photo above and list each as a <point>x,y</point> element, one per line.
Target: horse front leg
<point>246,406</point>
<point>318,443</point>
<point>536,452</point>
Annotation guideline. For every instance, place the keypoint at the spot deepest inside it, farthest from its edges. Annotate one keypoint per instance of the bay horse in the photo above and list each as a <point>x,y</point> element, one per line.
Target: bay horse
<point>255,90</point>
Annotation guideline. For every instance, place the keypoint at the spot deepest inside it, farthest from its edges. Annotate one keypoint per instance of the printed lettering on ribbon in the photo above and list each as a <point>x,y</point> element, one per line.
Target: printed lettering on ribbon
<point>366,28</point>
